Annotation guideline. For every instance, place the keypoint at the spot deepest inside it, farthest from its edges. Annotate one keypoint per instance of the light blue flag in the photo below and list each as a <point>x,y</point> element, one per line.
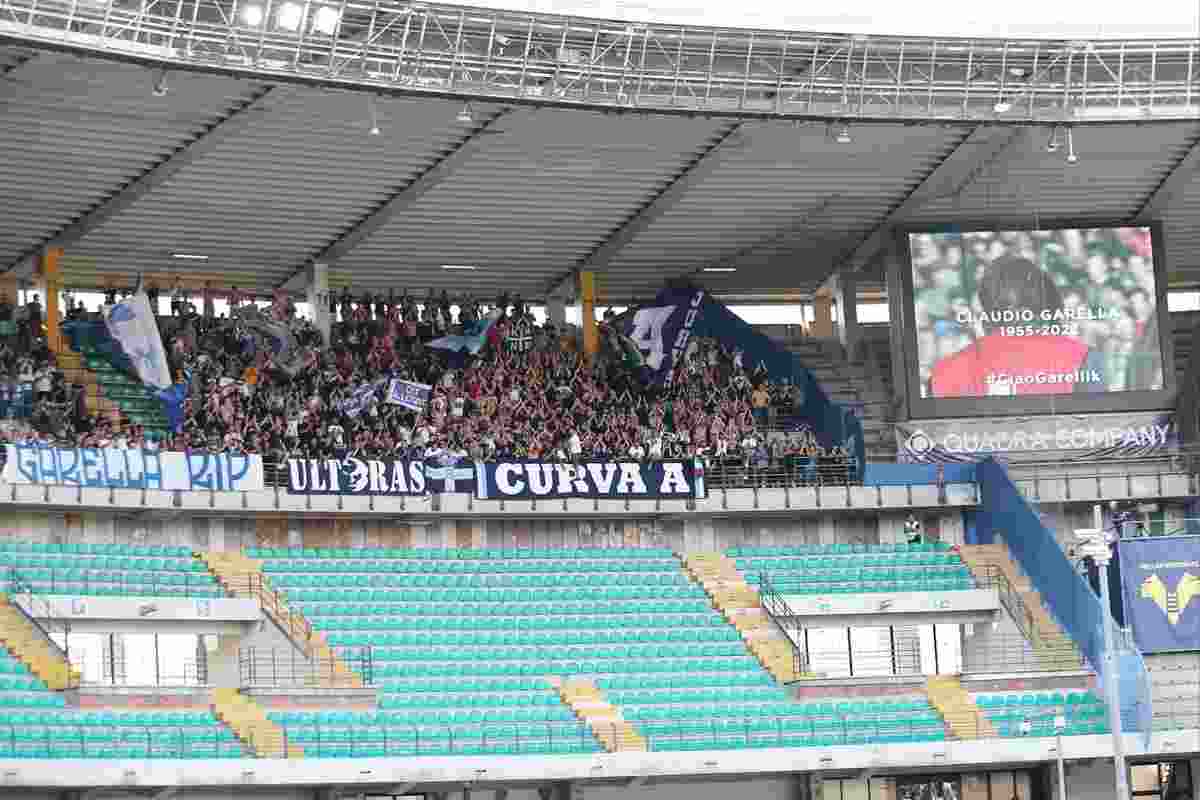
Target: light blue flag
<point>132,324</point>
<point>472,340</point>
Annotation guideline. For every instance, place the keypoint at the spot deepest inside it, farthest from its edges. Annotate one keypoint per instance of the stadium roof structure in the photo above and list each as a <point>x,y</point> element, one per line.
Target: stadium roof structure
<point>390,140</point>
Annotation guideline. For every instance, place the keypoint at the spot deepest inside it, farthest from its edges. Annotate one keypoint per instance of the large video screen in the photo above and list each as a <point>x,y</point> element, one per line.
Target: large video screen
<point>1015,313</point>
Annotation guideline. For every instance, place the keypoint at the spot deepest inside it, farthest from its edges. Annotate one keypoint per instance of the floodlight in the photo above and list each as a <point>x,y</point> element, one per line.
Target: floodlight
<point>843,135</point>
<point>325,20</point>
<point>466,117</point>
<point>252,15</point>
<point>289,16</point>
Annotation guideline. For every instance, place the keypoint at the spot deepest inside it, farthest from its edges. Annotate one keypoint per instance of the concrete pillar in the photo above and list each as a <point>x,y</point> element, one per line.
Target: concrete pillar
<point>587,299</point>
<point>556,311</point>
<point>318,298</point>
<point>223,662</point>
<point>447,533</point>
<point>49,286</point>
<point>827,529</point>
<point>846,295</point>
<point>216,533</point>
<point>822,327</point>
<point>698,535</point>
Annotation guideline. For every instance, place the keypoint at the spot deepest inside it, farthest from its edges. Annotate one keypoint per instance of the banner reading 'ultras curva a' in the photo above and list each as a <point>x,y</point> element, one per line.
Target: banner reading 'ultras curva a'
<point>1022,313</point>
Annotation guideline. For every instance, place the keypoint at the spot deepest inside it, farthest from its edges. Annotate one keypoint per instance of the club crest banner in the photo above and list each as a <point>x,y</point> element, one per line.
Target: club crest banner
<point>533,480</point>
<point>409,394</point>
<point>1161,578</point>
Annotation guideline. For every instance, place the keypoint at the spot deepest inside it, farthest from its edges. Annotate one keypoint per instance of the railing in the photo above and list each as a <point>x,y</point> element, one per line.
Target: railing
<point>107,669</point>
<point>100,741</point>
<point>260,668</point>
<point>294,624</point>
<point>780,613</point>
<point>63,581</point>
<point>1030,652</point>
<point>42,617</point>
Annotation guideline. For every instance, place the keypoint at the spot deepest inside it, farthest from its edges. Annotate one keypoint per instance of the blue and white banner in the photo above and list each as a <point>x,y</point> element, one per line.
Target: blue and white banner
<point>133,469</point>
<point>383,478</point>
<point>513,480</point>
<point>133,325</point>
<point>1161,578</point>
<point>662,332</point>
<point>473,337</point>
<point>361,398</point>
<point>409,394</point>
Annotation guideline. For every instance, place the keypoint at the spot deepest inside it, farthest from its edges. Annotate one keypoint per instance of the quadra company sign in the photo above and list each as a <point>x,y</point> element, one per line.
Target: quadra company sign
<point>931,439</point>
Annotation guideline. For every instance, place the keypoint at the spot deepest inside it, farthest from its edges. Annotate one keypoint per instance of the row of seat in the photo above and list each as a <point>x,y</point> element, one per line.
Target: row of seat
<point>667,739</point>
<point>478,623</point>
<point>871,587</point>
<point>124,550</point>
<point>474,569</point>
<point>284,580</point>
<point>167,748</point>
<point>465,554</point>
<point>445,684</point>
<point>748,694</point>
<point>729,649</point>
<point>839,549</point>
<point>442,707</point>
<point>343,637</point>
<point>1042,700</point>
<point>439,746</point>
<point>895,560</point>
<point>1014,728</point>
<point>902,710</point>
<point>471,602</point>
<point>433,725</point>
<point>672,612</point>
<point>165,588</point>
<point>427,596</point>
<point>550,666</point>
<point>90,719</point>
<point>111,563</point>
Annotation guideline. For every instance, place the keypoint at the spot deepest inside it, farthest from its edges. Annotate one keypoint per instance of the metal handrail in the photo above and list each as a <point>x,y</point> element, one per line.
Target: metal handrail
<point>20,586</point>
<point>271,667</point>
<point>780,613</point>
<point>274,602</point>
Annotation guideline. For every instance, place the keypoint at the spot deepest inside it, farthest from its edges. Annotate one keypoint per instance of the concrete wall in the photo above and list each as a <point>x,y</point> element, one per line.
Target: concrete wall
<point>783,788</point>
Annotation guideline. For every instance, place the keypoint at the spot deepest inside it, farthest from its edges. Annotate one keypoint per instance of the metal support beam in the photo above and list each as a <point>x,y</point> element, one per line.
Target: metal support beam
<point>236,121</point>
<point>976,154</point>
<point>702,166</point>
<point>399,200</point>
<point>780,236</point>
<point>1172,184</point>
<point>401,789</point>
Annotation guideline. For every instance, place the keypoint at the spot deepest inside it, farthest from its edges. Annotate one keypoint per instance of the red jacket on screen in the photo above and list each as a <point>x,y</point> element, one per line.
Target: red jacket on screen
<point>1021,360</point>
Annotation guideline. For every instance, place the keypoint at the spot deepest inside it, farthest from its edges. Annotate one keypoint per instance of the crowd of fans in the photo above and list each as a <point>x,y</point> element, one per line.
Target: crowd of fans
<point>528,393</point>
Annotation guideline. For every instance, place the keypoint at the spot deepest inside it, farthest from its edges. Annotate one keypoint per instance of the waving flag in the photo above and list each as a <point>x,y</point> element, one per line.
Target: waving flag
<point>132,324</point>
<point>473,338</point>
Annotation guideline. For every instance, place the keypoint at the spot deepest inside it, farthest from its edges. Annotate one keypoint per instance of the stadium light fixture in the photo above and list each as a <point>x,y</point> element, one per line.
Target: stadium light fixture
<point>720,269</point>
<point>466,116</point>
<point>374,131</point>
<point>160,85</point>
<point>252,15</point>
<point>1072,156</point>
<point>189,256</point>
<point>325,21</point>
<point>289,16</point>
<point>843,135</point>
<point>1002,106</point>
<point>1052,142</point>
<point>459,267</point>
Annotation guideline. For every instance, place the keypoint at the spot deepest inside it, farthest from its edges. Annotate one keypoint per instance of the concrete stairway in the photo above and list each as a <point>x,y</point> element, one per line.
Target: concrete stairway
<point>612,730</point>
<point>742,606</point>
<point>249,722</point>
<point>1056,651</point>
<point>243,577</point>
<point>30,646</point>
<point>73,367</point>
<point>963,718</point>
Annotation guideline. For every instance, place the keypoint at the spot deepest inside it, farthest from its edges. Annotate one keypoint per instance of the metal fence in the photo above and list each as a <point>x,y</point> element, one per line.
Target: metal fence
<point>288,668</point>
